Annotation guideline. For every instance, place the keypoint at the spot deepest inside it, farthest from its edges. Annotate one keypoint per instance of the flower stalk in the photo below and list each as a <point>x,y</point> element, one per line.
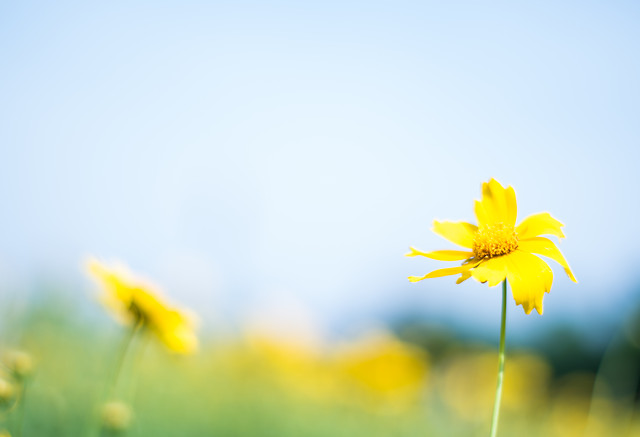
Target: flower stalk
<point>498,397</point>
<point>20,413</point>
<point>109,393</point>
<point>124,348</point>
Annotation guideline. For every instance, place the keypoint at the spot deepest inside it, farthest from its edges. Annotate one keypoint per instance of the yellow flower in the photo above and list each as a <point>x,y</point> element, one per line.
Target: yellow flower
<point>134,302</point>
<point>384,369</point>
<point>499,249</point>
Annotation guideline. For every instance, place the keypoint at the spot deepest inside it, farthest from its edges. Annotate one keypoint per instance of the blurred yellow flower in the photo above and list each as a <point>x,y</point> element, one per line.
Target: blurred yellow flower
<point>376,371</point>
<point>468,378</point>
<point>297,366</point>
<point>499,249</point>
<point>569,409</point>
<point>383,369</point>
<point>134,302</point>
<point>19,363</point>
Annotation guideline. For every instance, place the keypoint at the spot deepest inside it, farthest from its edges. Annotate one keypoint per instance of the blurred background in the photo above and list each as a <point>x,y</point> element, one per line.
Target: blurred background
<point>268,164</point>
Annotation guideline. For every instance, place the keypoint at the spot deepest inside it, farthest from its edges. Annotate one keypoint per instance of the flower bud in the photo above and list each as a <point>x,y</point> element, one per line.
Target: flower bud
<point>116,416</point>
<point>6,392</point>
<point>20,364</point>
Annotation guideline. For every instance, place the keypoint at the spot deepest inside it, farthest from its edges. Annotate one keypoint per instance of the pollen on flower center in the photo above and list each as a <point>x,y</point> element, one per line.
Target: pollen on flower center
<point>494,240</point>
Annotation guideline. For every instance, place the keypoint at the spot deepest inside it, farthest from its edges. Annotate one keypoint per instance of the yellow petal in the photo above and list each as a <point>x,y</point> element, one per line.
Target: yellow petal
<point>177,333</point>
<point>530,278</point>
<point>512,206</point>
<point>460,233</point>
<point>148,303</point>
<point>498,204</point>
<point>117,309</point>
<point>493,271</point>
<point>463,277</point>
<point>114,281</point>
<point>443,272</point>
<point>545,247</point>
<point>481,214</point>
<point>182,340</point>
<point>442,255</point>
<point>539,224</point>
<point>171,326</point>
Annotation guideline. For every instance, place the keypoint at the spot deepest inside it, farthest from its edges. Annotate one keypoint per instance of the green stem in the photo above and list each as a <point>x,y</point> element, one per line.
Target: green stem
<point>496,402</point>
<point>143,341</point>
<point>121,358</point>
<point>112,382</point>
<point>20,413</point>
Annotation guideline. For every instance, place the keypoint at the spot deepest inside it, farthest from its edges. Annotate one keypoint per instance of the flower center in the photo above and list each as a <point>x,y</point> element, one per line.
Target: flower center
<point>494,240</point>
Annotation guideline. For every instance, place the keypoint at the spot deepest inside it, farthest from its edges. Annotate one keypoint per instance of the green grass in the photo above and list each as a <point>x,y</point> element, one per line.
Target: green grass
<point>230,389</point>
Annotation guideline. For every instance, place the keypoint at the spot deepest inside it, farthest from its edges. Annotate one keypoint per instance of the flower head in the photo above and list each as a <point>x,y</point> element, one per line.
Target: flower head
<point>498,249</point>
<point>132,301</point>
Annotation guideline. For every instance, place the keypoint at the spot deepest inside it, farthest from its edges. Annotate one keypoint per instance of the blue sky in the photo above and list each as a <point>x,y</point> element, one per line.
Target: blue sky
<point>249,155</point>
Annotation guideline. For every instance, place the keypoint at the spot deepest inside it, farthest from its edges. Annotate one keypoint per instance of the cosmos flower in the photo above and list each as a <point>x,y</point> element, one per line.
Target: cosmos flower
<point>134,302</point>
<point>498,249</point>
